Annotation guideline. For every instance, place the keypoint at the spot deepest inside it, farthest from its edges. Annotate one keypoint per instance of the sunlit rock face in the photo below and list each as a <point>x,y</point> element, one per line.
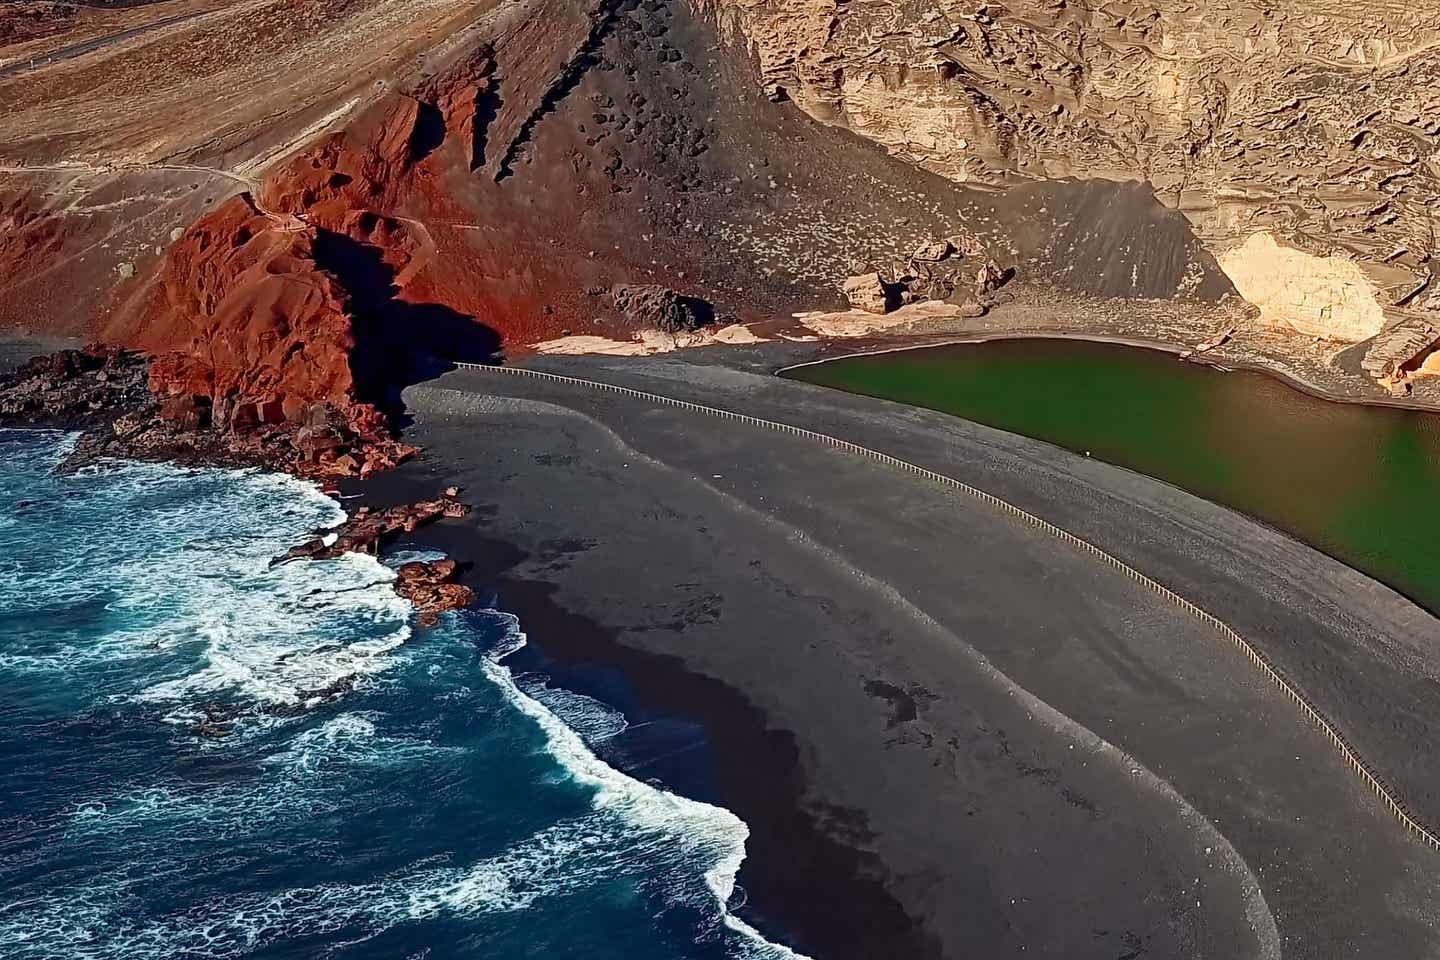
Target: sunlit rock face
<point>1314,122</point>
<point>1327,297</point>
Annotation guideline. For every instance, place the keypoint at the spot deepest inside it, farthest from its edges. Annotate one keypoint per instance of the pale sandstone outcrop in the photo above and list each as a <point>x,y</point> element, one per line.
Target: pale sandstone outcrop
<point>1327,297</point>
<point>862,323</point>
<point>1431,365</point>
<point>647,342</point>
<point>1406,349</point>
<point>1314,121</point>
<point>866,291</point>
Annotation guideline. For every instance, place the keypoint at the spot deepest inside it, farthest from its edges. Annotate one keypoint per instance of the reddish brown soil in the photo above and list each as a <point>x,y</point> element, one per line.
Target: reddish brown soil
<point>482,196</point>
<point>242,311</point>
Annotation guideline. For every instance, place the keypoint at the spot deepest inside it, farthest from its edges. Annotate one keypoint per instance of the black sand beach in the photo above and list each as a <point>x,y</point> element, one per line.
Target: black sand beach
<point>949,734</point>
<point>926,711</point>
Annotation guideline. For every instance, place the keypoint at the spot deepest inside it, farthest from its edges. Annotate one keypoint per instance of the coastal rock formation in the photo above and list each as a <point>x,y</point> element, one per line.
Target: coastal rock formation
<point>370,529</point>
<point>105,393</point>
<point>431,587</point>
<point>73,388</point>
<point>244,317</point>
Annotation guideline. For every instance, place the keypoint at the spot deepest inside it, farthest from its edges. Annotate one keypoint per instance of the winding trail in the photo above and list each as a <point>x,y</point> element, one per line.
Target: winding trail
<point>83,167</point>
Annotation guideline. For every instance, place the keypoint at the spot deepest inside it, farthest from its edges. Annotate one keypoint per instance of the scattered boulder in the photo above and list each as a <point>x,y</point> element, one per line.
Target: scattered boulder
<point>932,252</point>
<point>990,277</point>
<point>651,305</point>
<point>430,586</point>
<point>869,292</point>
<point>936,270</point>
<point>934,281</point>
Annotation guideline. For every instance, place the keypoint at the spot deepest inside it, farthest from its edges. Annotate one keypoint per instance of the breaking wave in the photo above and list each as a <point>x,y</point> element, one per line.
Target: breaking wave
<point>210,757</point>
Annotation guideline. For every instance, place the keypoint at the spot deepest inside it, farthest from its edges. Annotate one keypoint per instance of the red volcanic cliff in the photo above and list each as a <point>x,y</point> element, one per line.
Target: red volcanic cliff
<point>244,315</point>
<point>302,293</point>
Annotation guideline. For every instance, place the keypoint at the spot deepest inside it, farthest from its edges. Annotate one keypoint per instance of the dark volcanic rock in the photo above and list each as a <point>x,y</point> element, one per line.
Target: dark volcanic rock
<point>105,393</point>
<point>650,305</point>
<point>368,530</point>
<point>429,585</point>
<point>74,389</point>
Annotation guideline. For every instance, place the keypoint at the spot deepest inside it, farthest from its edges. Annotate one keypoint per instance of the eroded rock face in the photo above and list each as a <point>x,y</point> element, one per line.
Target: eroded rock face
<point>369,530</point>
<point>867,291</point>
<point>1315,122</point>
<point>1409,349</point>
<point>244,316</point>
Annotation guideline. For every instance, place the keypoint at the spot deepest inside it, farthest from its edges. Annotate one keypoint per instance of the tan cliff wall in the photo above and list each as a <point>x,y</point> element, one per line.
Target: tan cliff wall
<point>1314,123</point>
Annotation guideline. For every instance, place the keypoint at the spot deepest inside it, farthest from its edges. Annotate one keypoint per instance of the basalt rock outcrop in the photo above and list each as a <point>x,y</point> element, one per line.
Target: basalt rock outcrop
<point>74,389</point>
<point>431,586</point>
<point>105,393</point>
<point>660,308</point>
<point>367,530</point>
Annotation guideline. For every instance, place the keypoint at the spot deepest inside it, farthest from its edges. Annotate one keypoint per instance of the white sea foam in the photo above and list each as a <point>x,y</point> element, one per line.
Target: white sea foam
<point>351,739</point>
<point>199,599</point>
<point>594,720</point>
<point>632,829</point>
<point>399,558</point>
<point>185,581</point>
<point>702,831</point>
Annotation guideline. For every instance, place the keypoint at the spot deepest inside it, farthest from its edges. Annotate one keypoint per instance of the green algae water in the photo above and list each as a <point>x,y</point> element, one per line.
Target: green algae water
<point>1361,483</point>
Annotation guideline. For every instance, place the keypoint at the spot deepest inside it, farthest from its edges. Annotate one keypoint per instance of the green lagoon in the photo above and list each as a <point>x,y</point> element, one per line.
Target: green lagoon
<point>1360,482</point>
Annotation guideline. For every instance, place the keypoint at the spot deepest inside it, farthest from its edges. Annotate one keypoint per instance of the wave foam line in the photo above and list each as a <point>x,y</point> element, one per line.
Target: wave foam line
<point>645,806</point>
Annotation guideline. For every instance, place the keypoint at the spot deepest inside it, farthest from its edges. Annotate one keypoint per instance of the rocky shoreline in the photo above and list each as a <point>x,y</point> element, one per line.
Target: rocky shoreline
<point>106,395</point>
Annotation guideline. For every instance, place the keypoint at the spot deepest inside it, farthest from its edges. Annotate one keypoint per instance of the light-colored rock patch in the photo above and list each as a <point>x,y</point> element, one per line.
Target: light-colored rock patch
<point>859,323</point>
<point>647,342</point>
<point>575,345</point>
<point>736,334</point>
<point>1327,297</point>
<point>866,292</point>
